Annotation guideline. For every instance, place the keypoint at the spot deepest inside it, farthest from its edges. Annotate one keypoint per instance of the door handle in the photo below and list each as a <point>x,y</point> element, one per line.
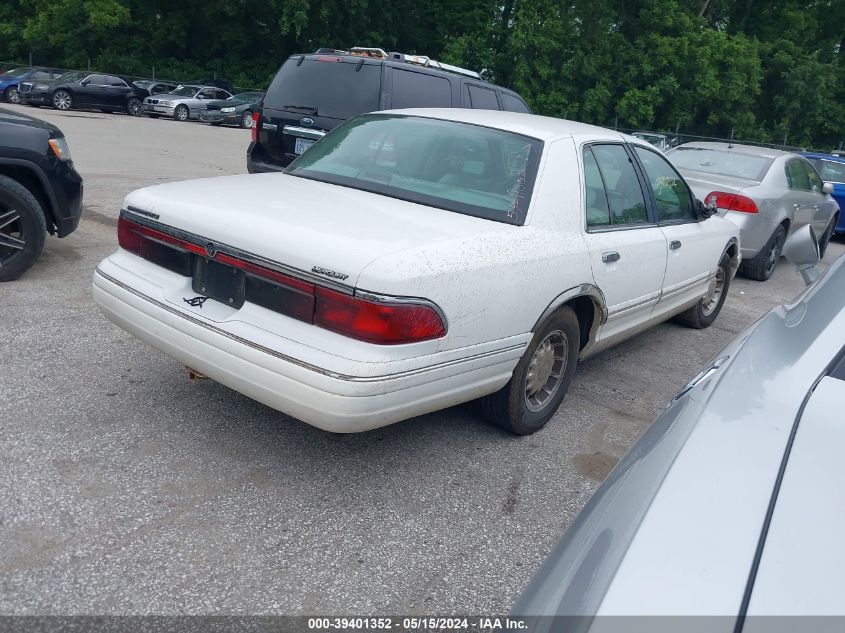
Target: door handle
<point>610,256</point>
<point>674,245</point>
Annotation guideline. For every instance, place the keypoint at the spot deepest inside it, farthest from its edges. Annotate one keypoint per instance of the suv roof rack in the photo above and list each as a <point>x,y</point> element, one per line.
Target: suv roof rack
<point>419,60</point>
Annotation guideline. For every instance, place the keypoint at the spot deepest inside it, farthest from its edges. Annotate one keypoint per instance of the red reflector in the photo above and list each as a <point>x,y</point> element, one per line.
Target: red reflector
<point>131,235</point>
<point>373,322</point>
<point>731,201</point>
<point>256,119</point>
<point>127,237</point>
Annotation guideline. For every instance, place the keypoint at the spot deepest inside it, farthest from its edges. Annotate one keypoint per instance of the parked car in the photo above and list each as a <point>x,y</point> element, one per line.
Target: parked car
<point>75,90</point>
<point>312,94</point>
<point>40,93</point>
<point>184,103</point>
<point>236,110</point>
<point>729,504</point>
<point>152,87</point>
<point>40,191</point>
<point>768,193</point>
<point>385,273</point>
<point>11,79</point>
<point>832,169</point>
<point>214,83</point>
<point>660,141</point>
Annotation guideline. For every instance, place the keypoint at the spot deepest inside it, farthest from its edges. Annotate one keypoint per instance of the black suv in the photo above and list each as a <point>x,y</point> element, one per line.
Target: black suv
<point>40,191</point>
<point>312,94</point>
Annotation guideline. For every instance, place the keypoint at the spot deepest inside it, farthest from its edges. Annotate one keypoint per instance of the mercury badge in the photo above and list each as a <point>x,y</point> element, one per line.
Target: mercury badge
<point>328,273</point>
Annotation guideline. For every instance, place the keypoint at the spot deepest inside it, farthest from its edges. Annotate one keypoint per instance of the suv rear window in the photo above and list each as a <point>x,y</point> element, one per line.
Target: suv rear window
<point>469,169</point>
<point>335,89</point>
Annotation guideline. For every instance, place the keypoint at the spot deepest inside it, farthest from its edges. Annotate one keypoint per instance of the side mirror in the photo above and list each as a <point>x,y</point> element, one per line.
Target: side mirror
<point>827,188</point>
<point>84,82</point>
<point>702,211</point>
<point>802,250</point>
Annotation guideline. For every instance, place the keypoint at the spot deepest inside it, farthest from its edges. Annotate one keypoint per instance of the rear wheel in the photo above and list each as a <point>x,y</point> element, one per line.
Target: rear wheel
<point>12,95</point>
<point>540,379</point>
<point>62,100</point>
<point>764,263</point>
<point>133,107</point>
<point>22,229</point>
<point>181,113</point>
<point>703,313</point>
<point>246,119</point>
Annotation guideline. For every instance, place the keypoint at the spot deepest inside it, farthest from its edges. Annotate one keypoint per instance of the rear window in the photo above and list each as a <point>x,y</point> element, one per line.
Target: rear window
<point>724,163</point>
<point>469,169</point>
<point>333,89</point>
<point>482,98</point>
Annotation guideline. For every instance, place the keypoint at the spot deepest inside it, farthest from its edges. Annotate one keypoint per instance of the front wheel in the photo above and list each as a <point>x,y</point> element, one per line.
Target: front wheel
<point>133,107</point>
<point>12,95</point>
<point>22,229</point>
<point>540,379</point>
<point>246,119</point>
<point>62,100</point>
<point>181,113</point>
<point>703,313</point>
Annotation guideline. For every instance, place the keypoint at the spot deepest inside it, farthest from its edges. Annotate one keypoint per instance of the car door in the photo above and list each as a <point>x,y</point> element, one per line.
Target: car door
<point>825,205</point>
<point>203,96</point>
<point>834,173</point>
<point>691,252</point>
<point>90,91</point>
<point>117,91</point>
<point>800,197</point>
<point>627,248</point>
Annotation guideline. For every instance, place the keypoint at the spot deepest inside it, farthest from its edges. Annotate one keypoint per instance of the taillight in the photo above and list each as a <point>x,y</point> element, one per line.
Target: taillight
<point>731,202</point>
<point>376,322</point>
<point>256,120</point>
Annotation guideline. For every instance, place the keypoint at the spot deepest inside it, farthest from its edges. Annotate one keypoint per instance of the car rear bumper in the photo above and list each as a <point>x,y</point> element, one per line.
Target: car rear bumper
<point>270,372</point>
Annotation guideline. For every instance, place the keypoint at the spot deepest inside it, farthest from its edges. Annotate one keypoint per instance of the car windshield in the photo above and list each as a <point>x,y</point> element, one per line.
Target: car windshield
<point>185,91</point>
<point>245,97</point>
<point>143,84</point>
<point>721,162</point>
<point>479,171</point>
<point>829,170</point>
<point>16,72</point>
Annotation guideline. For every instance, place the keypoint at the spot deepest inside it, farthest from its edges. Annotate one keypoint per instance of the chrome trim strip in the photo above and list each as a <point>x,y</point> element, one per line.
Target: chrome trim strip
<point>379,298</point>
<point>296,361</point>
<point>270,127</point>
<point>653,297</point>
<point>304,132</point>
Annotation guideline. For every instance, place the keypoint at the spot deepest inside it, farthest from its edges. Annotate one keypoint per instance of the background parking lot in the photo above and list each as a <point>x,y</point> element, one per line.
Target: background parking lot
<point>129,489</point>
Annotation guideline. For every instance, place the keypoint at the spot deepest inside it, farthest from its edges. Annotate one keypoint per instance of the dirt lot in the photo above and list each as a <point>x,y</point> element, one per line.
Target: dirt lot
<point>125,488</point>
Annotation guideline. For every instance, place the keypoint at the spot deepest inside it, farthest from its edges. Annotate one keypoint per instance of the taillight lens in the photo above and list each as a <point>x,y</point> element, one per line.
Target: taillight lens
<point>256,120</point>
<point>731,202</point>
<point>375,322</point>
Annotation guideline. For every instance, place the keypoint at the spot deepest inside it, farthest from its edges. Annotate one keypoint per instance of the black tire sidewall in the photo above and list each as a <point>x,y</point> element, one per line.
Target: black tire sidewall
<point>522,420</point>
<point>16,196</point>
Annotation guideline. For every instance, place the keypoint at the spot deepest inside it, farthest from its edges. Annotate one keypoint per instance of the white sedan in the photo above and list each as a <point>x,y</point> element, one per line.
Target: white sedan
<point>413,260</point>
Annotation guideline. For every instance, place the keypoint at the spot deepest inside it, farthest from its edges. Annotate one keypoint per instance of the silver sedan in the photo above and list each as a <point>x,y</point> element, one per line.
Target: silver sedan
<point>731,503</point>
<point>183,104</point>
<point>766,192</point>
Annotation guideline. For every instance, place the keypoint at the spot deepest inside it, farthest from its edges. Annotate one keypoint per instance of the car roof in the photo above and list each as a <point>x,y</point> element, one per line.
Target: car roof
<point>540,127</point>
<point>830,157</point>
<point>739,148</point>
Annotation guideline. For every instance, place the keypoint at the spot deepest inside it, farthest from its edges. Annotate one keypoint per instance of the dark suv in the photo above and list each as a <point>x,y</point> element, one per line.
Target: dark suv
<point>313,94</point>
<point>40,191</point>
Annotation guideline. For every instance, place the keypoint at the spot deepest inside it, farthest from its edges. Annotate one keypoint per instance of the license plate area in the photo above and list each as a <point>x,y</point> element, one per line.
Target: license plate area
<point>220,282</point>
<point>302,144</point>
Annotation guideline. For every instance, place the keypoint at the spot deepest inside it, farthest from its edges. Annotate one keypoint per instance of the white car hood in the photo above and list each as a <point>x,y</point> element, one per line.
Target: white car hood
<point>302,223</point>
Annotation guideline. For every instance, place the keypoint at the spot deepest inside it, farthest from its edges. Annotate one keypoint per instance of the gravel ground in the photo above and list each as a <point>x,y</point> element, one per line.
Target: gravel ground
<point>128,489</point>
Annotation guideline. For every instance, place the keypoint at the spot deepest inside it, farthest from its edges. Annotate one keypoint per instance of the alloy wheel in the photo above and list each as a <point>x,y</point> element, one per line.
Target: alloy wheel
<point>12,238</point>
<point>546,370</point>
<point>134,107</point>
<point>182,113</point>
<point>13,95</point>
<point>246,120</point>
<point>62,100</point>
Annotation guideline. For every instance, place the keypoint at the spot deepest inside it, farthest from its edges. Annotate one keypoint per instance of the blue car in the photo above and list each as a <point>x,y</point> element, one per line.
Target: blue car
<point>10,80</point>
<point>832,169</point>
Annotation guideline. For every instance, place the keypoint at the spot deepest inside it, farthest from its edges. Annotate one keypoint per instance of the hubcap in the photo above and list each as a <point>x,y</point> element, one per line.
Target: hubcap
<point>11,235</point>
<point>774,254</point>
<point>714,293</point>
<point>545,371</point>
<point>61,101</point>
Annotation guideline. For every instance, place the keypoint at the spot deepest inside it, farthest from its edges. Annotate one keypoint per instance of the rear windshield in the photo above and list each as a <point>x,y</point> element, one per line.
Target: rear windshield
<point>469,169</point>
<point>338,90</point>
<point>724,163</point>
<point>185,91</point>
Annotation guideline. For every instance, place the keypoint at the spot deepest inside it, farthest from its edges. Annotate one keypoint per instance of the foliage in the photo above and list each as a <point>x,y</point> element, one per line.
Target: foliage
<point>760,70</point>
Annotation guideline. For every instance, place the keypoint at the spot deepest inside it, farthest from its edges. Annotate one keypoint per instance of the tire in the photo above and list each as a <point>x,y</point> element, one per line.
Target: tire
<point>12,95</point>
<point>761,267</point>
<point>703,313</point>
<point>512,408</point>
<point>134,107</point>
<point>62,100</point>
<point>825,238</point>
<point>246,120</point>
<point>181,113</point>
<point>23,229</point>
